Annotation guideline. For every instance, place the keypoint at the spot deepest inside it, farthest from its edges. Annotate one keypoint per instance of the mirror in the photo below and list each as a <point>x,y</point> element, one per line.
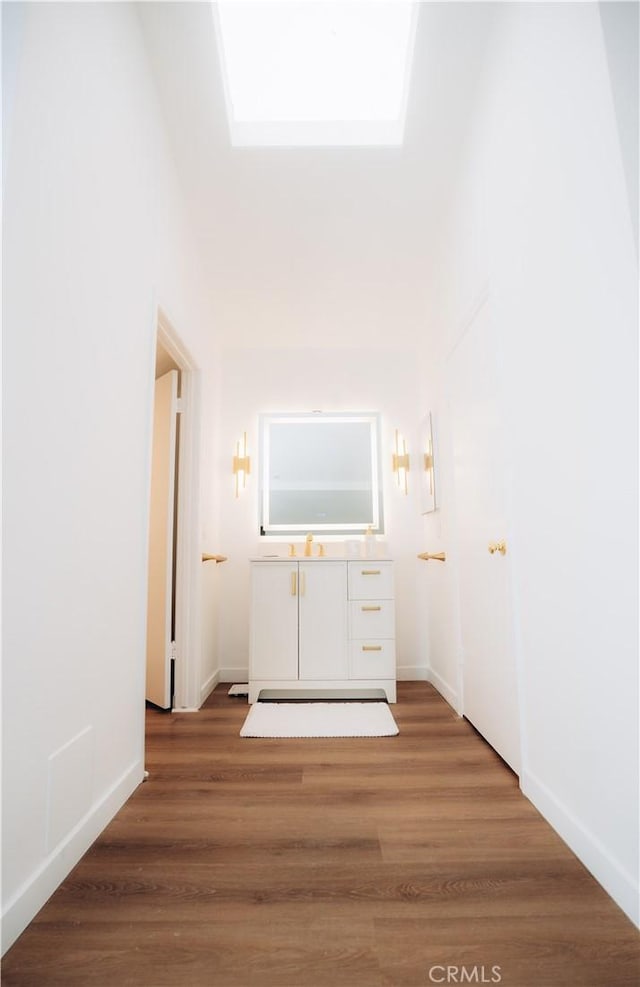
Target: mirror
<point>320,472</point>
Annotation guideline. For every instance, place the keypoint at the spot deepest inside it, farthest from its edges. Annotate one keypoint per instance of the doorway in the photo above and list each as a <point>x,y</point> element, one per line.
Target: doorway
<point>163,535</point>
<point>173,638</point>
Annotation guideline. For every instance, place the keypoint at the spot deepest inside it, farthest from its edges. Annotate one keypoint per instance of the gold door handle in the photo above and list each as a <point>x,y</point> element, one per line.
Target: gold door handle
<point>438,556</point>
<point>303,583</point>
<point>294,583</point>
<point>213,558</point>
<point>498,546</point>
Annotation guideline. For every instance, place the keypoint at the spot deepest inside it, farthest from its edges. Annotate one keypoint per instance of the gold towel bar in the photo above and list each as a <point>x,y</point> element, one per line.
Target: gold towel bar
<point>438,556</point>
<point>213,558</point>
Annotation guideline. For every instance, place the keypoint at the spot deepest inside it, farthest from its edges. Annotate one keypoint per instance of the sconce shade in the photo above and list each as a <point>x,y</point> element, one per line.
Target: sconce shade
<point>400,463</point>
<point>241,464</point>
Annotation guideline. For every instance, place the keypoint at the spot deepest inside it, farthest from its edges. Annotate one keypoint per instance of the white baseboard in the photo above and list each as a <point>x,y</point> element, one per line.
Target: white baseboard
<point>621,886</point>
<point>35,891</point>
<point>207,688</point>
<point>446,691</point>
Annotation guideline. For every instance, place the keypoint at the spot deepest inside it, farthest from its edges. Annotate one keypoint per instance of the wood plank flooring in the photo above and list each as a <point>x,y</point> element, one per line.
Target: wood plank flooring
<point>345,863</point>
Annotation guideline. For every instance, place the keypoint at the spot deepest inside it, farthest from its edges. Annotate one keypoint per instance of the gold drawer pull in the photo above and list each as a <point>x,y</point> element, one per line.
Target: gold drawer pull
<point>372,647</point>
<point>370,572</point>
<point>294,583</point>
<point>370,609</point>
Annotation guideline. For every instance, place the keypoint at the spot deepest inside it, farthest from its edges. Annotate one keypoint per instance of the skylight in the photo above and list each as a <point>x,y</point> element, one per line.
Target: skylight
<point>316,72</point>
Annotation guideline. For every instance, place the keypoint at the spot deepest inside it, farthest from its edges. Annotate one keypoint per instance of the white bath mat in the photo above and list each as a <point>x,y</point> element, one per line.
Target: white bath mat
<point>319,720</point>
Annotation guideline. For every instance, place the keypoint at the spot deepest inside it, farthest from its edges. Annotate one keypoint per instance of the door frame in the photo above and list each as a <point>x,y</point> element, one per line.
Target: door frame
<point>188,556</point>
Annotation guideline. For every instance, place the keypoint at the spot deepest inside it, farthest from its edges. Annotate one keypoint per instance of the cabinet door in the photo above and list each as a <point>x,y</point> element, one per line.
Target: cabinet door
<point>323,620</point>
<point>274,621</point>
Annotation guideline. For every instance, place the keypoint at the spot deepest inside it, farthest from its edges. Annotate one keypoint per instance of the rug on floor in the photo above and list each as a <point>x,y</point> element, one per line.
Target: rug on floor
<point>319,719</point>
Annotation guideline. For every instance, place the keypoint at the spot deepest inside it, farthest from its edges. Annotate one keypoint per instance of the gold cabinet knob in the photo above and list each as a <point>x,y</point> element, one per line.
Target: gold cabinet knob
<point>498,546</point>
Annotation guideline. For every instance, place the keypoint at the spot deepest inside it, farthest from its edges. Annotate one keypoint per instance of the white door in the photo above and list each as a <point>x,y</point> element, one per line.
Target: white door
<point>161,541</point>
<point>489,689</point>
<point>273,648</point>
<point>323,620</point>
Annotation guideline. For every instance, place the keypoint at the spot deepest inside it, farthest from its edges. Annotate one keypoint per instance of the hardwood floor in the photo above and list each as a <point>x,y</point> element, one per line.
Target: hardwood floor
<point>346,863</point>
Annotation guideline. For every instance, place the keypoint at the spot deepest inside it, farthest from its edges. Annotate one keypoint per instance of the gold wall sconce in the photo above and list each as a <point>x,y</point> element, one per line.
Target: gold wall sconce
<point>241,464</point>
<point>427,473</point>
<point>400,463</point>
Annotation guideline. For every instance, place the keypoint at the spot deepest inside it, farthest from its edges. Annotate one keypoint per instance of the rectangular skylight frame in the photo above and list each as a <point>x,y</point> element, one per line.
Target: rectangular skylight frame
<point>385,132</point>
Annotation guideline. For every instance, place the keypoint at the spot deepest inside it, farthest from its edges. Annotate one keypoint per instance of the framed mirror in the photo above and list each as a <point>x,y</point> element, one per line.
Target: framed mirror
<point>320,473</point>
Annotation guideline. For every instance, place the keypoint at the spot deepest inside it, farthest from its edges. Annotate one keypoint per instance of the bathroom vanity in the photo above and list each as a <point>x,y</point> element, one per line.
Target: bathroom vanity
<point>319,625</point>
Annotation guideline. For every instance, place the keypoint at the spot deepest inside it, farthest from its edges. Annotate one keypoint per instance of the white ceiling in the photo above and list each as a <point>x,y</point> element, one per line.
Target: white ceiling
<point>318,246</point>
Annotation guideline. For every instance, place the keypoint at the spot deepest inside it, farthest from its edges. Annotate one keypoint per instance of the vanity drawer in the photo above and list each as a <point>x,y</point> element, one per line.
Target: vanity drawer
<point>372,619</point>
<point>370,580</point>
<point>371,659</point>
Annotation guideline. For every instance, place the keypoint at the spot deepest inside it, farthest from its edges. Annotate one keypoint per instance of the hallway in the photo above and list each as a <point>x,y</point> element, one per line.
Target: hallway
<point>373,862</point>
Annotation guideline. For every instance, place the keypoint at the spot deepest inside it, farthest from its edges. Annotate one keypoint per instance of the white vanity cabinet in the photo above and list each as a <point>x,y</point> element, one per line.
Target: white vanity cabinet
<point>298,620</point>
<point>313,627</point>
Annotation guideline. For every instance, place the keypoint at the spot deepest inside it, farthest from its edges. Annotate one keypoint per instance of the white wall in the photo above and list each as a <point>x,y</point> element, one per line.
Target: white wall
<point>263,380</point>
<point>547,226</point>
<point>94,238</point>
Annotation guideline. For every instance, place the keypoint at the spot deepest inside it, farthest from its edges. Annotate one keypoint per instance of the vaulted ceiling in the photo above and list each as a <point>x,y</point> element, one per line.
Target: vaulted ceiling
<point>318,246</point>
